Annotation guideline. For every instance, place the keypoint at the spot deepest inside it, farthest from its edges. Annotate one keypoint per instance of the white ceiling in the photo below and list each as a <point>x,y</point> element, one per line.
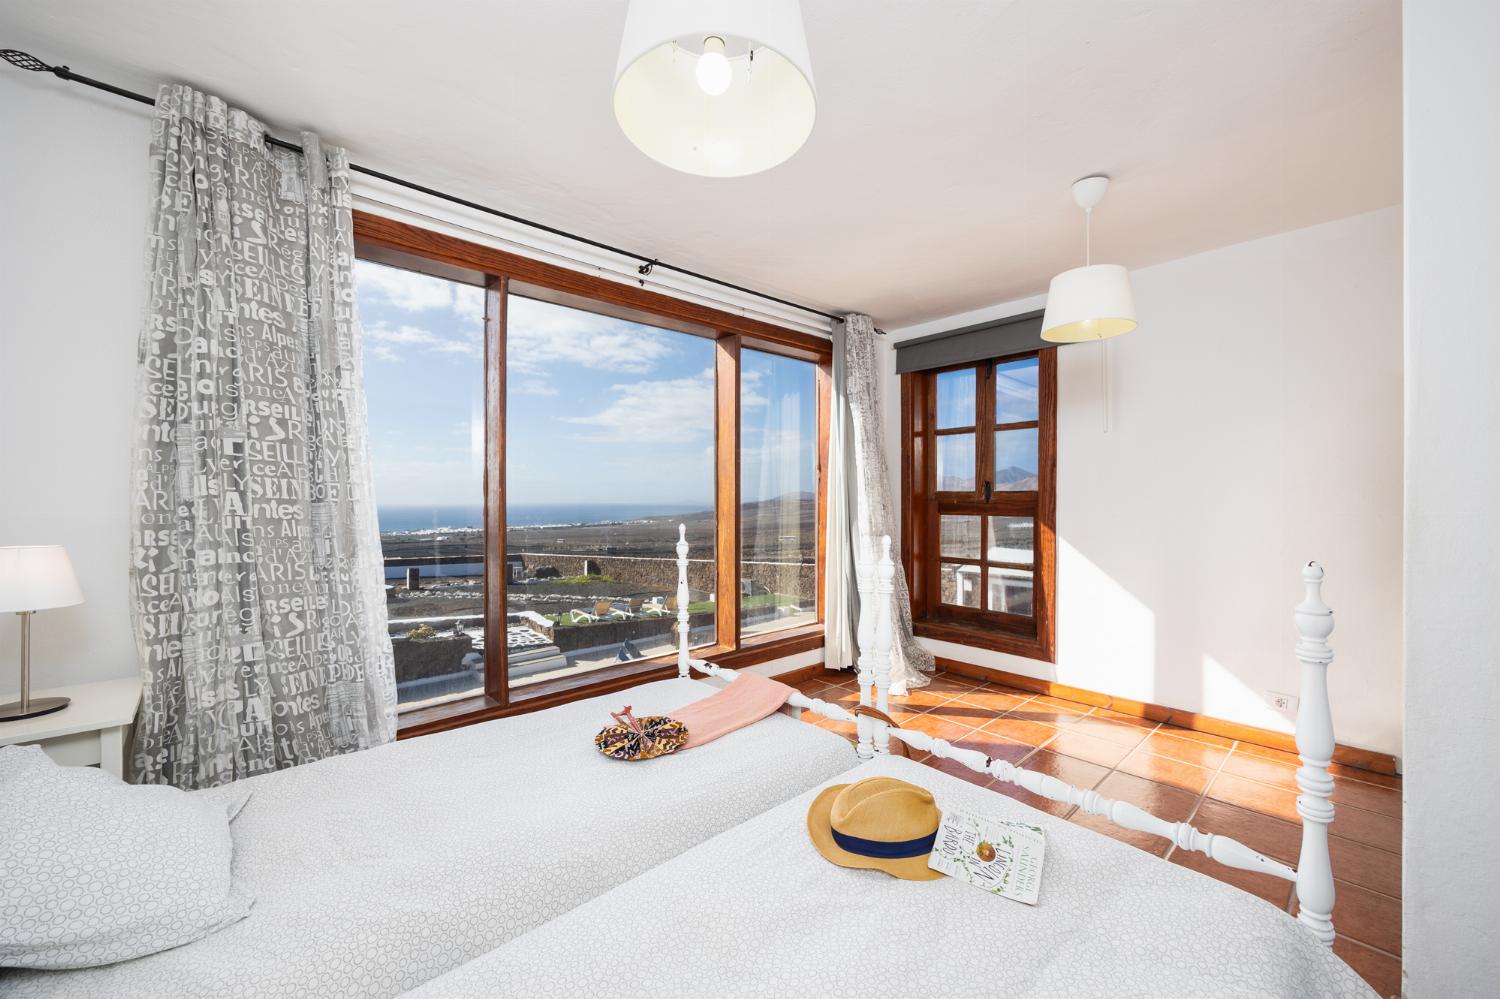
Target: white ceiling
<point>936,179</point>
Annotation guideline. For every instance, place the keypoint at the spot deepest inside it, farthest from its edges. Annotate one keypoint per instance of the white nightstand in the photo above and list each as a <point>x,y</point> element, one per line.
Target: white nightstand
<point>89,730</point>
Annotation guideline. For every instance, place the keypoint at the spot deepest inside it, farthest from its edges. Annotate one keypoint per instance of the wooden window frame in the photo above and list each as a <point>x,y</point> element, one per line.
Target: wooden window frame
<point>922,505</point>
<point>379,238</point>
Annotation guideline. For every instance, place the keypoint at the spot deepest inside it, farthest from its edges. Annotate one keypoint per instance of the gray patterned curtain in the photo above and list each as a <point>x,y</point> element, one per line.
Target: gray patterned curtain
<point>256,578</point>
<point>860,504</point>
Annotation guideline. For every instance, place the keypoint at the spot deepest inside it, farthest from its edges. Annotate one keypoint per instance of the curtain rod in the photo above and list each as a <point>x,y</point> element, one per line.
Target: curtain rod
<point>26,61</point>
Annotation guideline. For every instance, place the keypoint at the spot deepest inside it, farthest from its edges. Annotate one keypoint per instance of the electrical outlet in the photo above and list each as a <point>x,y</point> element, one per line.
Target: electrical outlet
<point>1285,703</point>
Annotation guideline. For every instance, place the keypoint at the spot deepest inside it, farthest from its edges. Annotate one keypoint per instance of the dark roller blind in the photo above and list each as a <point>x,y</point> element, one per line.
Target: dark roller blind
<point>1011,335</point>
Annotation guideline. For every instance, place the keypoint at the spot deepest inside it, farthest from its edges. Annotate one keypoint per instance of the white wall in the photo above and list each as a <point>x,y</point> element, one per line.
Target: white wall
<point>73,189</point>
<point>1255,424</point>
<point>1451,904</point>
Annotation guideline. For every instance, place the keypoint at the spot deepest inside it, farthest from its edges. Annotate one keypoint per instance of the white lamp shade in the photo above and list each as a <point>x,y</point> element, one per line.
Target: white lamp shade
<point>37,577</point>
<point>760,120</point>
<point>1089,303</point>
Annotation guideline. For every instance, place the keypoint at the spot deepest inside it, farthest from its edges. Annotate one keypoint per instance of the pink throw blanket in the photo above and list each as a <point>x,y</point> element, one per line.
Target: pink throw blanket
<point>748,698</point>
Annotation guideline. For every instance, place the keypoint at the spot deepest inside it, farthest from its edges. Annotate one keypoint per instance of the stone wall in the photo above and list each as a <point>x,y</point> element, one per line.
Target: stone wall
<point>661,573</point>
<point>587,636</point>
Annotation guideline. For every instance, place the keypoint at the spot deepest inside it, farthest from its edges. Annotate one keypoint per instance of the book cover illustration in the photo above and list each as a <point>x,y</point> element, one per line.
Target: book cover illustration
<point>1001,857</point>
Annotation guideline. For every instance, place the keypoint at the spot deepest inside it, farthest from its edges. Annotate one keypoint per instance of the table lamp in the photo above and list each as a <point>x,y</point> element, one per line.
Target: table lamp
<point>33,578</point>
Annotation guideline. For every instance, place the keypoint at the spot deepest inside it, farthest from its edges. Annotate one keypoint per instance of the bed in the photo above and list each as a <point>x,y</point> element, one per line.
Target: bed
<point>1112,920</point>
<point>693,874</point>
<point>756,911</point>
<point>379,870</point>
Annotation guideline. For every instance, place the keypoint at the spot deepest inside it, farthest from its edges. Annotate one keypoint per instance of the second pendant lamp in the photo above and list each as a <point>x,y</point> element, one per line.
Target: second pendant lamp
<point>1092,302</point>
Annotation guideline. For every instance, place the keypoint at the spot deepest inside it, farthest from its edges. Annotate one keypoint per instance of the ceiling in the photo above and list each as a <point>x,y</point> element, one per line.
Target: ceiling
<point>936,179</point>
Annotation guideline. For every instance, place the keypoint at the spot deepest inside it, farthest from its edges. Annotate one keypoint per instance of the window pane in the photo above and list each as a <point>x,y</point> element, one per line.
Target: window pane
<point>959,537</point>
<point>1011,540</point>
<point>959,584</point>
<point>955,463</point>
<point>778,493</point>
<point>423,343</point>
<point>609,439</point>
<point>1010,590</point>
<point>1016,390</point>
<point>1015,460</point>
<point>955,399</point>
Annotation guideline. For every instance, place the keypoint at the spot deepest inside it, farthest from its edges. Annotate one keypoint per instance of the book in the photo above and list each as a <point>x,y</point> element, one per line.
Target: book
<point>1001,857</point>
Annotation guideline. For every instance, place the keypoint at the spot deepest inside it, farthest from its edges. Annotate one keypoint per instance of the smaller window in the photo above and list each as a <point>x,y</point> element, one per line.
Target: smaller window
<point>979,501</point>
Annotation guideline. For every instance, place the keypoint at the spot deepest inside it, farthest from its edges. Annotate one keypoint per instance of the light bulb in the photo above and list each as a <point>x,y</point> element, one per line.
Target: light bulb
<point>713,72</point>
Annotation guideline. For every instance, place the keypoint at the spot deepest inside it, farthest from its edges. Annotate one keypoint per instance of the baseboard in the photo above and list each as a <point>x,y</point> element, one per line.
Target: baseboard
<point>792,677</point>
<point>1349,756</point>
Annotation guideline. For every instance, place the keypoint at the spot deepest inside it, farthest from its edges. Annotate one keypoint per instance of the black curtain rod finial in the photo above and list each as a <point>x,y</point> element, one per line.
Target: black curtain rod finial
<point>30,63</point>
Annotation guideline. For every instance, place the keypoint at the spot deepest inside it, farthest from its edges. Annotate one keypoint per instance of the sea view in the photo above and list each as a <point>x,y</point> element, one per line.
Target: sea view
<point>411,519</point>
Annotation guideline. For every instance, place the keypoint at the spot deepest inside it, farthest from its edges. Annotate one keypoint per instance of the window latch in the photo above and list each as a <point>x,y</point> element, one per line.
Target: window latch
<point>988,490</point>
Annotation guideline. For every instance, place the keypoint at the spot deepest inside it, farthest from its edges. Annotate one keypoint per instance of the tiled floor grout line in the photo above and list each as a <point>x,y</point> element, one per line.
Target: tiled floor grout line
<point>1203,795</point>
<point>1116,768</point>
<point>1360,943</point>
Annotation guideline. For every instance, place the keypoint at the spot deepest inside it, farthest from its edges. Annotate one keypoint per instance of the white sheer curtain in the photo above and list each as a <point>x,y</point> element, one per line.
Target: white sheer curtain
<point>256,578</point>
<point>860,503</point>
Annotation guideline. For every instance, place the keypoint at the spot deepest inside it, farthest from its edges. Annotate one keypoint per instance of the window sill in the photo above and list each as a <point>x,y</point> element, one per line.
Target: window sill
<point>980,637</point>
<point>472,710</point>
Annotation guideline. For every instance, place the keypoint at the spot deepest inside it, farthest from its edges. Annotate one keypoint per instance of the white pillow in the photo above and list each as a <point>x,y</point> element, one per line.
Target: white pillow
<point>94,870</point>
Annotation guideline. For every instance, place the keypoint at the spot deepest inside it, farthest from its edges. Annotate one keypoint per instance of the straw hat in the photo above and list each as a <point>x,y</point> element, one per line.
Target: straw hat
<point>879,824</point>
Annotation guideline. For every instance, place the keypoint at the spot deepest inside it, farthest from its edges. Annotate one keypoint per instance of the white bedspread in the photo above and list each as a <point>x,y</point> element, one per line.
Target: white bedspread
<point>757,912</point>
<point>374,872</point>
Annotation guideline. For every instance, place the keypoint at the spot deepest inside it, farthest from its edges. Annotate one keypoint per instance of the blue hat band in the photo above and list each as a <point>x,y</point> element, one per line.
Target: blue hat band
<point>880,849</point>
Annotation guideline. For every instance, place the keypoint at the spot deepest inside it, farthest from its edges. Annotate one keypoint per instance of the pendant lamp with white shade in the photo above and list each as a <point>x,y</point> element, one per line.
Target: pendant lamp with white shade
<point>1092,302</point>
<point>717,88</point>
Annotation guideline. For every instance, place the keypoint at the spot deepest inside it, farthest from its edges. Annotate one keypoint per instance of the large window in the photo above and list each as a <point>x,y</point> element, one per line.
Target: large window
<point>778,493</point>
<point>537,437</point>
<point>424,386</point>
<point>609,446</point>
<point>978,469</point>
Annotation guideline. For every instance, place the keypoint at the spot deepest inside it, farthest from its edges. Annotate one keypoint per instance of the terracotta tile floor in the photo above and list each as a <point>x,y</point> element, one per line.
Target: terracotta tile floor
<point>1235,789</point>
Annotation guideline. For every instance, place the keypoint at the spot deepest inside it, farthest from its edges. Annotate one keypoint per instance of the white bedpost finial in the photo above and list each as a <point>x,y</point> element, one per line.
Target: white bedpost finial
<point>885,587</point>
<point>1315,745</point>
<point>682,602</point>
<point>864,572</point>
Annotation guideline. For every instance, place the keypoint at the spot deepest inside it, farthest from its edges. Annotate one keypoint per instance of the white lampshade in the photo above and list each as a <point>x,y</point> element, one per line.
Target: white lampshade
<point>1089,303</point>
<point>760,119</point>
<point>37,577</point>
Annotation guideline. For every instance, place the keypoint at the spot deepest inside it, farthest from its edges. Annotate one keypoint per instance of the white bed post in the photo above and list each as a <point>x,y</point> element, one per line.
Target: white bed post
<point>864,571</point>
<point>683,671</point>
<point>885,587</point>
<point>1315,746</point>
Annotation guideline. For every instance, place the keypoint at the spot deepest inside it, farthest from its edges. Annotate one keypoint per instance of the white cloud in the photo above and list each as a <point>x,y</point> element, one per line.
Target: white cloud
<point>402,289</point>
<point>540,333</point>
<point>401,334</point>
<point>750,397</point>
<point>468,302</point>
<point>670,411</point>
<point>534,386</point>
<point>387,338</point>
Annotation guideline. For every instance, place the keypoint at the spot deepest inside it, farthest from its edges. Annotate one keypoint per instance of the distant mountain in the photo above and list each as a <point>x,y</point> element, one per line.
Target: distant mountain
<point>1012,479</point>
<point>1016,478</point>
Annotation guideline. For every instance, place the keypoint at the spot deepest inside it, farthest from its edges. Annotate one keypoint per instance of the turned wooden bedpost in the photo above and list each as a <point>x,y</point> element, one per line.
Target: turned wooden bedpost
<point>1315,746</point>
<point>683,671</point>
<point>864,572</point>
<point>884,588</point>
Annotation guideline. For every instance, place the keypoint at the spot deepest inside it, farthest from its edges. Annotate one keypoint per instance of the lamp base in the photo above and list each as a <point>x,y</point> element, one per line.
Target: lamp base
<point>38,706</point>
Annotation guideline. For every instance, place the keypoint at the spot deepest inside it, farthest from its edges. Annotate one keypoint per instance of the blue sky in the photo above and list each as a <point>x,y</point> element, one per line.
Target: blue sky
<point>599,411</point>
